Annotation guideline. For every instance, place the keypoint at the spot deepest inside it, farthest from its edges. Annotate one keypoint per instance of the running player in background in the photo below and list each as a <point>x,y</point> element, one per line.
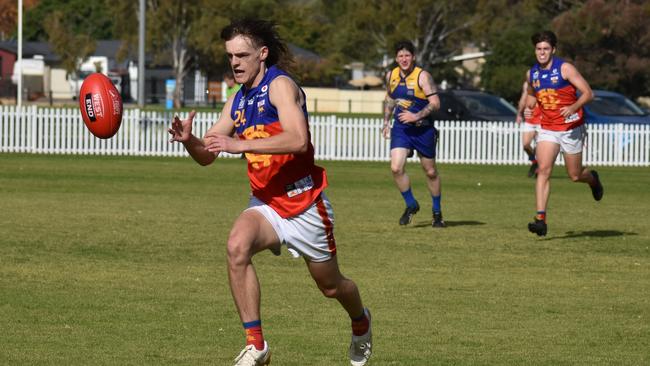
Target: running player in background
<point>411,96</point>
<point>532,119</point>
<point>267,120</point>
<point>554,84</point>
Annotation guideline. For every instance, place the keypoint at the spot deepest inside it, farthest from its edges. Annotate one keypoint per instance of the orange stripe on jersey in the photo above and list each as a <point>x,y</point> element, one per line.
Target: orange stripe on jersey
<point>329,227</point>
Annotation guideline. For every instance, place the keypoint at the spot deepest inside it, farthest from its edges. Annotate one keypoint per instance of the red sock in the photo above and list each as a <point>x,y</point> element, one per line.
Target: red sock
<point>541,215</point>
<point>360,325</point>
<point>254,334</point>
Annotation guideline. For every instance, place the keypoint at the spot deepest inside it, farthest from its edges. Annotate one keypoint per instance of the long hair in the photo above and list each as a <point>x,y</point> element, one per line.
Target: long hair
<point>261,33</point>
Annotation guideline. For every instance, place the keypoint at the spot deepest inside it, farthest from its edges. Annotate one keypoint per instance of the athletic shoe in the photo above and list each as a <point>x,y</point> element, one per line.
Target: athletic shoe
<point>538,227</point>
<point>407,216</point>
<point>361,346</point>
<point>250,356</point>
<point>597,189</point>
<point>532,172</point>
<point>437,220</point>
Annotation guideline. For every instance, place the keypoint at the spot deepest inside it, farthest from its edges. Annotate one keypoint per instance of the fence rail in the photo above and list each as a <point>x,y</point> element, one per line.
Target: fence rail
<point>144,133</point>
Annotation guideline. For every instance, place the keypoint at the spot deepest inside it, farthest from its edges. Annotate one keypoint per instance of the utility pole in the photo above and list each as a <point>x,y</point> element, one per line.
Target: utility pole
<point>141,60</point>
<point>19,96</point>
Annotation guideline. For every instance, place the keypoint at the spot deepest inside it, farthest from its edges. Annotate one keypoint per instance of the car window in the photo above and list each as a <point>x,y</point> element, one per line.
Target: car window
<point>614,106</point>
<point>448,106</point>
<point>487,105</point>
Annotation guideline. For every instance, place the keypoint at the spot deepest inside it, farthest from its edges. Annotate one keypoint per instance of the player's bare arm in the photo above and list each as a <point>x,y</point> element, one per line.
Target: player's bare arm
<point>521,106</point>
<point>571,74</point>
<point>389,107</point>
<point>181,131</point>
<point>431,91</point>
<point>294,138</point>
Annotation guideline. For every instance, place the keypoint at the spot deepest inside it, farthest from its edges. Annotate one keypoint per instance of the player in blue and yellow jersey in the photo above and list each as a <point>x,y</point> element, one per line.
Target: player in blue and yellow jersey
<point>553,85</point>
<point>267,121</point>
<point>411,96</point>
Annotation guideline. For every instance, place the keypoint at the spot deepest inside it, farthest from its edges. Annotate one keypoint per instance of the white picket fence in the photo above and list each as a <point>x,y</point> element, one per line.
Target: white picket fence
<point>144,133</point>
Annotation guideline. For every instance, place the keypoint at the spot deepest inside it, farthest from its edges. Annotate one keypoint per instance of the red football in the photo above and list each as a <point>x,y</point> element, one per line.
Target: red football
<point>101,105</point>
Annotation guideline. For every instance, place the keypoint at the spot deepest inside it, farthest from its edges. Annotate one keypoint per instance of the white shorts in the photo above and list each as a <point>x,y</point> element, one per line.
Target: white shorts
<point>530,127</point>
<point>571,141</point>
<point>309,234</point>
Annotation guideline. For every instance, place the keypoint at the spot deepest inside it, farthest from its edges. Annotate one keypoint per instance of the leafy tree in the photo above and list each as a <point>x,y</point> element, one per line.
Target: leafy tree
<point>609,42</point>
<point>9,16</point>
<point>80,16</point>
<point>68,45</point>
<point>367,30</point>
<point>504,30</point>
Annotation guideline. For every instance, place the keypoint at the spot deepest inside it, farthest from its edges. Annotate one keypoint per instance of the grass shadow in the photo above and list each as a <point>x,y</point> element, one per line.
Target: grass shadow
<point>593,234</point>
<point>452,223</point>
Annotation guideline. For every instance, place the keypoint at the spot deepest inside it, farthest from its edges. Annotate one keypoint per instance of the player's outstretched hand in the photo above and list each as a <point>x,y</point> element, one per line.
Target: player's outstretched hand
<point>181,130</point>
<point>221,143</point>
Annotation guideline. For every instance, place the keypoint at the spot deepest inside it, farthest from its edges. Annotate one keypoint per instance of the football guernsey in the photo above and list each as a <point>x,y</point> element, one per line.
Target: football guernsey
<point>288,183</point>
<point>554,92</point>
<point>408,94</point>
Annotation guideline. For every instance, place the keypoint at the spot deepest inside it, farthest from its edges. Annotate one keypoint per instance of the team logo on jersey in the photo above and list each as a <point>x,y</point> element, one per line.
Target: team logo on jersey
<point>554,72</point>
<point>251,101</point>
<point>555,79</point>
<point>404,104</point>
<point>241,103</point>
<point>265,88</point>
<point>536,75</point>
<point>257,161</point>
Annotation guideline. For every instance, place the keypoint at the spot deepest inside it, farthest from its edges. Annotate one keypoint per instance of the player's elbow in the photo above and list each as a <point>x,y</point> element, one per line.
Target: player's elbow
<point>301,146</point>
<point>205,160</point>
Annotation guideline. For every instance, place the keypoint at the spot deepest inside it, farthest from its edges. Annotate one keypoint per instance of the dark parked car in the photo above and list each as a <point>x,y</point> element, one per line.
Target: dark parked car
<point>470,105</point>
<point>611,107</point>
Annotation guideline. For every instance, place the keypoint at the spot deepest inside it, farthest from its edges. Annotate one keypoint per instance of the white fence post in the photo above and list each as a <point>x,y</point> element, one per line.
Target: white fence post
<point>61,131</point>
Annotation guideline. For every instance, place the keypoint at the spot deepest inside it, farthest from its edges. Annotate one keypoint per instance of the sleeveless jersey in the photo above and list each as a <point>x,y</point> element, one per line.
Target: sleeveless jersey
<point>554,92</point>
<point>407,93</point>
<point>288,183</point>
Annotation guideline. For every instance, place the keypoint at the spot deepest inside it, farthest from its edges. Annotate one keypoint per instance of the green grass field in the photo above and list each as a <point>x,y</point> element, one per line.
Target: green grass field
<point>121,261</point>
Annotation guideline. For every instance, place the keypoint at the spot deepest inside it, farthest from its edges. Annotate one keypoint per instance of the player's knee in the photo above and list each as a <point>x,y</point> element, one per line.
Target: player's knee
<point>397,169</point>
<point>431,173</point>
<point>544,171</point>
<point>238,250</point>
<point>329,290</point>
<point>574,177</point>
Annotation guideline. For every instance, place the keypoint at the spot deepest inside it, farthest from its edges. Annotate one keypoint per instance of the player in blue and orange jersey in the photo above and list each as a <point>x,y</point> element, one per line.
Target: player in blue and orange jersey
<point>267,121</point>
<point>553,85</point>
<point>411,96</point>
<point>532,119</point>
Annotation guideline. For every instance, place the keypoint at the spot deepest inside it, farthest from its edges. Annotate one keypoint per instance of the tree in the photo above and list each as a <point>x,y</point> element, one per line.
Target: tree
<point>80,17</point>
<point>367,30</point>
<point>9,16</point>
<point>68,45</point>
<point>609,42</point>
<point>504,29</point>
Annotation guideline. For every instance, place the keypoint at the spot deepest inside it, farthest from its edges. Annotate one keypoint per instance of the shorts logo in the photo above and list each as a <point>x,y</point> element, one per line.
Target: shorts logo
<point>90,111</point>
